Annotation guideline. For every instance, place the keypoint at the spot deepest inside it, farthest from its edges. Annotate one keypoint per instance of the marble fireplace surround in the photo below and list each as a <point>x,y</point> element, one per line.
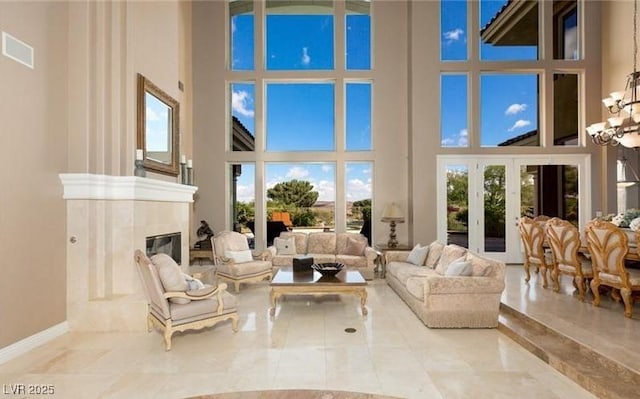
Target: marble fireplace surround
<point>108,218</point>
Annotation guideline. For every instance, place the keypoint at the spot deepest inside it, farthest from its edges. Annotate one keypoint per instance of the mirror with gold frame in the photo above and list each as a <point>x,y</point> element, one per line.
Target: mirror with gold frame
<point>158,128</point>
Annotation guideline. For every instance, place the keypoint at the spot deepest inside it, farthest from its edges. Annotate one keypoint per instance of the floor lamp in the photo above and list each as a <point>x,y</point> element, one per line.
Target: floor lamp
<point>392,214</point>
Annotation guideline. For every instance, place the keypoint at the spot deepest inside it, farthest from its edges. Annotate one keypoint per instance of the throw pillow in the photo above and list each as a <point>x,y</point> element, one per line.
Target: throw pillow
<point>192,283</point>
<point>170,276</point>
<point>480,266</point>
<point>450,253</point>
<point>418,255</point>
<point>239,256</point>
<point>459,267</point>
<point>285,246</point>
<point>355,247</point>
<point>435,250</point>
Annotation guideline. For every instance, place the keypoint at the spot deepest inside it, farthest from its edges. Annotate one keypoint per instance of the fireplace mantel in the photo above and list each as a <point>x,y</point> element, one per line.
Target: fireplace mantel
<point>103,187</point>
<point>108,219</point>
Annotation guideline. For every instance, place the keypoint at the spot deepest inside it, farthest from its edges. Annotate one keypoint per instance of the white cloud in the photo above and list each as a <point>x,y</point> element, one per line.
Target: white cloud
<point>297,173</point>
<point>306,59</point>
<point>453,35</point>
<point>326,168</point>
<point>463,138</point>
<point>447,142</point>
<point>515,109</point>
<point>326,190</point>
<point>520,123</point>
<point>358,189</point>
<point>246,193</point>
<point>459,140</point>
<point>272,183</point>
<point>241,102</point>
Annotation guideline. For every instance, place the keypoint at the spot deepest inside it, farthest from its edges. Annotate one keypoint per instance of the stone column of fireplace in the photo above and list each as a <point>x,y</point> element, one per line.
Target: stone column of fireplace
<point>108,218</point>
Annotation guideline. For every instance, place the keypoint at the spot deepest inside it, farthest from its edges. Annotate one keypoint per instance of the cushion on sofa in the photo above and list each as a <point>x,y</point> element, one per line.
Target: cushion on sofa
<point>285,246</point>
<point>435,250</point>
<point>300,240</point>
<point>418,255</point>
<point>321,243</point>
<point>354,247</point>
<point>408,270</point>
<point>480,266</point>
<point>459,267</point>
<point>342,240</point>
<point>450,253</point>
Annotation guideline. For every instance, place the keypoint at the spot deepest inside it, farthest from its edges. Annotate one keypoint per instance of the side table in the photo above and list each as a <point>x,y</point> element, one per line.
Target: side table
<point>197,253</point>
<point>382,259</point>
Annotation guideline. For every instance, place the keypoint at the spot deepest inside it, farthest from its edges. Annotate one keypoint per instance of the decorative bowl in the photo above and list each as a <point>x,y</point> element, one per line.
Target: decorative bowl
<point>327,269</point>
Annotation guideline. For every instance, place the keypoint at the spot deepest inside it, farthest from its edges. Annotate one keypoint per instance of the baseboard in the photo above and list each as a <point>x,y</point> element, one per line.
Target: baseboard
<point>25,345</point>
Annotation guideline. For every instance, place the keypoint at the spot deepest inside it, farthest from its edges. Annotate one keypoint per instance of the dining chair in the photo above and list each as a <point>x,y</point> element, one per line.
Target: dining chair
<point>608,246</point>
<point>564,241</point>
<point>542,219</point>
<point>533,237</point>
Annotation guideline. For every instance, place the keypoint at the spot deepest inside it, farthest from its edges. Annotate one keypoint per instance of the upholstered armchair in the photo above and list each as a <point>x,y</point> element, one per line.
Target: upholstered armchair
<point>173,307</point>
<point>533,237</point>
<point>235,261</point>
<point>608,246</point>
<point>564,240</point>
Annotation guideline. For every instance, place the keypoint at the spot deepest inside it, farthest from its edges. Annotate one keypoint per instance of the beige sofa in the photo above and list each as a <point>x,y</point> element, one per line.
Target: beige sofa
<point>328,247</point>
<point>443,301</point>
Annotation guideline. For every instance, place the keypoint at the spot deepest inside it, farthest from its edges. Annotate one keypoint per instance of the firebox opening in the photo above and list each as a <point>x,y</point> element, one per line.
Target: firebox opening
<point>170,244</point>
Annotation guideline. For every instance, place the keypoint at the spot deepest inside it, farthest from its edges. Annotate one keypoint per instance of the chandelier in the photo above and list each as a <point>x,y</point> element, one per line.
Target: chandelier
<point>624,126</point>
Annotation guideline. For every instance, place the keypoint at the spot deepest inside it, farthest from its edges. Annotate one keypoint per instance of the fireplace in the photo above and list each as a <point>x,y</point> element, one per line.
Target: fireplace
<point>170,244</point>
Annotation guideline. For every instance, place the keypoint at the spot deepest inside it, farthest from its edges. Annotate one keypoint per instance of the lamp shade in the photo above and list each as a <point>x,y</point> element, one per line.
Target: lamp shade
<point>630,140</point>
<point>392,213</point>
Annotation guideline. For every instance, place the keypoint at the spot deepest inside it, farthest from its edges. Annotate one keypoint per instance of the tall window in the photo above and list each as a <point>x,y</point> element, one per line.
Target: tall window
<point>302,115</point>
<point>496,74</point>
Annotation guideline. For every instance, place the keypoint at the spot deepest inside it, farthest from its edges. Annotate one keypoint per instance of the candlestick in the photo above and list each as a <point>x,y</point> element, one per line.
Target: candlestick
<point>139,170</point>
<point>139,154</point>
<point>189,175</point>
<point>183,170</point>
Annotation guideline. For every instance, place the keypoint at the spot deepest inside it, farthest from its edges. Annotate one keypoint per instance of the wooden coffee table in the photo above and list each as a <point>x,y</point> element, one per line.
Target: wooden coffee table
<point>347,281</point>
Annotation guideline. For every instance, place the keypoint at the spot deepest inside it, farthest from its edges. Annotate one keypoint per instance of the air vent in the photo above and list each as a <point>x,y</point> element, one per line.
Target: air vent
<point>17,50</point>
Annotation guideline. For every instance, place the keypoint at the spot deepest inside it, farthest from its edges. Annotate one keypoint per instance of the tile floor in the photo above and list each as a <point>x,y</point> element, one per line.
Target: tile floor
<point>304,346</point>
<point>603,329</point>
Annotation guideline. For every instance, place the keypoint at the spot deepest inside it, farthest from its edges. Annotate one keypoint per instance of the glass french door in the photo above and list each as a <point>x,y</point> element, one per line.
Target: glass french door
<point>481,198</point>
